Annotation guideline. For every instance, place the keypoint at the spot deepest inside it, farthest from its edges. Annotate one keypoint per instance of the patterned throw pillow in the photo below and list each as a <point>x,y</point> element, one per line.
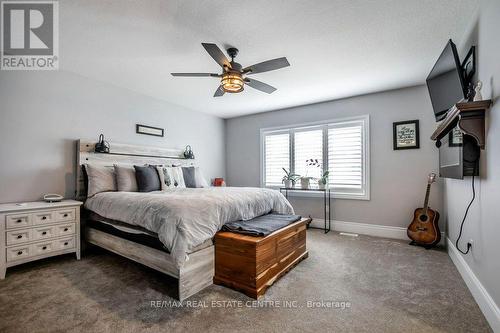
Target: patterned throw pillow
<point>171,177</point>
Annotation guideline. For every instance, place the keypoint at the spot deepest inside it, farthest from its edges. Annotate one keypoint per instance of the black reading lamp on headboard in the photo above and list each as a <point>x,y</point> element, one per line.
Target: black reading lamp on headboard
<point>188,152</point>
<point>101,146</point>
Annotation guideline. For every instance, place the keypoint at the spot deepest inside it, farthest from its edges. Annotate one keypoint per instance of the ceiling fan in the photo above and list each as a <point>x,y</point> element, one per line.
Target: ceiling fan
<point>233,76</point>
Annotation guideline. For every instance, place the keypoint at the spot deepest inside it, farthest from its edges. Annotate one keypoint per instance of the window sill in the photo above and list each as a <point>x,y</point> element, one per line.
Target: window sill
<point>320,194</point>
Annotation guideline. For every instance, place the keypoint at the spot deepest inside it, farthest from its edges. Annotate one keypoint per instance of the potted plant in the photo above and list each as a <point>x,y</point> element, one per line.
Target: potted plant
<point>323,180</point>
<point>289,179</point>
<point>306,180</point>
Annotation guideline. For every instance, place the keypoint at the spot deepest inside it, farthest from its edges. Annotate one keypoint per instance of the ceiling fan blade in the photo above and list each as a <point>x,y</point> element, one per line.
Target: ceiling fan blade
<point>256,84</point>
<point>219,92</point>
<point>267,66</point>
<point>195,74</point>
<point>217,54</point>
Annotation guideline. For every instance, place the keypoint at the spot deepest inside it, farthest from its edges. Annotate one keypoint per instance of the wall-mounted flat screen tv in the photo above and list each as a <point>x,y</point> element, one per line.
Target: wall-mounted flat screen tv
<point>445,82</point>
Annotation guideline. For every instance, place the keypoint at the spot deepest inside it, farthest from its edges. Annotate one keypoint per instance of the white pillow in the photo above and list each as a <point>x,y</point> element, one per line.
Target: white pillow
<point>100,179</point>
<point>171,177</point>
<point>200,180</point>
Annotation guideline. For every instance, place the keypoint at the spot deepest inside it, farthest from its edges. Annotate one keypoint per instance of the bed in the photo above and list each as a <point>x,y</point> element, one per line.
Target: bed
<point>170,231</point>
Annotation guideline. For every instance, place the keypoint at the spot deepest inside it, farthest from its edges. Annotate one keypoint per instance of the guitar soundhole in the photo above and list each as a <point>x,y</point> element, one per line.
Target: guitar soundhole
<point>423,218</point>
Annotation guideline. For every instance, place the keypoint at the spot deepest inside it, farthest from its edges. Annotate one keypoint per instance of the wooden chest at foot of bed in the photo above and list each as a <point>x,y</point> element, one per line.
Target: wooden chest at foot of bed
<point>252,264</point>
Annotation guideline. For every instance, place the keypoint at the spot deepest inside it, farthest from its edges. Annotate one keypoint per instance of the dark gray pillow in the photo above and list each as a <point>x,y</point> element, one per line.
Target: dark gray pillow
<point>147,178</point>
<point>189,176</point>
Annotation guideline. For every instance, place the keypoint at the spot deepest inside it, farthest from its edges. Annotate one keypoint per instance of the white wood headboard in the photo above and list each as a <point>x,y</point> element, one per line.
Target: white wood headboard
<point>124,154</point>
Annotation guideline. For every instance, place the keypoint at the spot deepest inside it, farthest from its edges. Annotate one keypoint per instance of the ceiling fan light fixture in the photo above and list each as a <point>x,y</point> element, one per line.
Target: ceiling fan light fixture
<point>233,77</point>
<point>232,82</point>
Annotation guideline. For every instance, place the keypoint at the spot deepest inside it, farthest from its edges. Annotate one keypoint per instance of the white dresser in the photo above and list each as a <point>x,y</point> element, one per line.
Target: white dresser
<point>38,230</point>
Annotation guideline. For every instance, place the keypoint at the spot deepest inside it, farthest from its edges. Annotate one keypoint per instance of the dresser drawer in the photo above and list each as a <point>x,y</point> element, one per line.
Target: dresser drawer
<point>65,214</point>
<point>18,236</point>
<point>31,231</point>
<point>43,217</point>
<point>43,247</point>
<point>65,243</point>
<point>65,229</point>
<point>39,233</point>
<point>18,252</point>
<point>18,220</point>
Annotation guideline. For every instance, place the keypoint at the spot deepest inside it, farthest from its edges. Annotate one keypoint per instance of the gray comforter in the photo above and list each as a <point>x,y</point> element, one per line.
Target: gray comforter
<point>185,218</point>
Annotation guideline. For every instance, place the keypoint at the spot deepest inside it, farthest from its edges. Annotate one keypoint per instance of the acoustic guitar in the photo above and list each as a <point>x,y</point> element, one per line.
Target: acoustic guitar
<point>424,229</point>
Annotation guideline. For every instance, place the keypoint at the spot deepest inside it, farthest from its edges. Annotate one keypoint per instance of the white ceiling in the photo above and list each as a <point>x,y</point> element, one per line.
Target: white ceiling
<point>336,48</point>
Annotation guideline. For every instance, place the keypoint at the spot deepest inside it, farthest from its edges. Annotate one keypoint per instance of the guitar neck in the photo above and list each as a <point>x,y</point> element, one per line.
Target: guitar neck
<point>427,193</point>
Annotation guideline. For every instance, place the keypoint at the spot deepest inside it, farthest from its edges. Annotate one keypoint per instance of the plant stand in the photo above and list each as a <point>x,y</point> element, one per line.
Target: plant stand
<point>326,204</point>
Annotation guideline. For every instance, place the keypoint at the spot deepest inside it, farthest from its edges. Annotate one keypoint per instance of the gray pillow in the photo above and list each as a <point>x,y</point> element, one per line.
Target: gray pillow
<point>125,178</point>
<point>100,179</point>
<point>189,177</point>
<point>147,178</point>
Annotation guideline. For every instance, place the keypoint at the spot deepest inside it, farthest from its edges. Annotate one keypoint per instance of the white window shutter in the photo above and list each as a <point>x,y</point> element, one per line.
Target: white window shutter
<point>340,146</point>
<point>345,155</point>
<point>276,157</point>
<point>308,144</point>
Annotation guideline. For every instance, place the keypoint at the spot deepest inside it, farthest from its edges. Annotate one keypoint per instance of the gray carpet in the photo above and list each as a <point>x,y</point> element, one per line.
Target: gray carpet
<point>389,286</point>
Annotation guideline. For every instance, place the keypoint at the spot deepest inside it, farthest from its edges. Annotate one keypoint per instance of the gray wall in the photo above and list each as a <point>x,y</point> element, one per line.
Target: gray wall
<point>483,223</point>
<point>42,113</point>
<point>398,178</point>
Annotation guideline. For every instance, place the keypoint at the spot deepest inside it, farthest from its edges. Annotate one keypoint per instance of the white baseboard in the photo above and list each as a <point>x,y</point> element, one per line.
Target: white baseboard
<point>368,229</point>
<point>486,303</point>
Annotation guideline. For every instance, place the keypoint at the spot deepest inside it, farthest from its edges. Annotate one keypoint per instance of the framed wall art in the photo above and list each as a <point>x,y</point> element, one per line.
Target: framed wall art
<point>406,135</point>
<point>149,130</point>
<point>455,138</point>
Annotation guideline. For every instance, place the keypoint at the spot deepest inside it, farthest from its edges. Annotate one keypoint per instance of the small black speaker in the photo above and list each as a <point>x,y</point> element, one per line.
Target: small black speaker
<point>470,155</point>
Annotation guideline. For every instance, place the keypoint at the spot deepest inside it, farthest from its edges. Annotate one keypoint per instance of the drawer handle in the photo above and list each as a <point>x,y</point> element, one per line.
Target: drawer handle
<point>19,236</point>
<point>65,229</point>
<point>65,243</point>
<point>44,217</point>
<point>44,248</point>
<point>19,221</point>
<point>44,233</point>
<point>65,215</point>
<point>19,253</point>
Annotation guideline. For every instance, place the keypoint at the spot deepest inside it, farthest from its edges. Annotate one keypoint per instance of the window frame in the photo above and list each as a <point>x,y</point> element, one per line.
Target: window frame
<point>340,193</point>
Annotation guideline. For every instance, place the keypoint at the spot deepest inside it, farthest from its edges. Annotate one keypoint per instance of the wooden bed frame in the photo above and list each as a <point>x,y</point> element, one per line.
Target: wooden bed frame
<point>198,272</point>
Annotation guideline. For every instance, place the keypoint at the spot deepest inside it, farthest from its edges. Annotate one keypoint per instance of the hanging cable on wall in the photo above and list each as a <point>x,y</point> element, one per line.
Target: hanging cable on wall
<point>469,245</point>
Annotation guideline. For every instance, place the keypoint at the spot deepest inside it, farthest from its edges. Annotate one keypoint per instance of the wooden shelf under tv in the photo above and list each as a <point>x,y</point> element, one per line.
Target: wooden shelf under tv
<point>470,119</point>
